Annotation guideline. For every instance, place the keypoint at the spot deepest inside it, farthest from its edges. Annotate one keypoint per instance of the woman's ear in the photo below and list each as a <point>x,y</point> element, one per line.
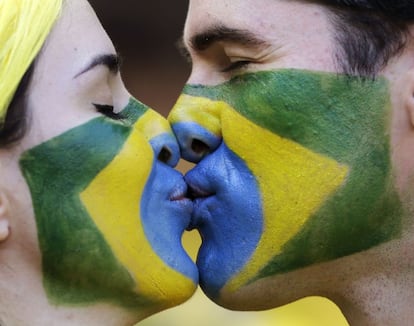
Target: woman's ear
<point>409,102</point>
<point>403,98</point>
<point>408,97</point>
<point>4,217</point>
<point>407,69</point>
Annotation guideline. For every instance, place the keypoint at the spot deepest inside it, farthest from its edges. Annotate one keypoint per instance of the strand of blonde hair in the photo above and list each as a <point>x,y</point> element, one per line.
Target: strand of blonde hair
<point>24,27</point>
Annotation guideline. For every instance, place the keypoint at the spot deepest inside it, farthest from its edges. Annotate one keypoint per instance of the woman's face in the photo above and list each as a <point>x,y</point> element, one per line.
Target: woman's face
<point>91,184</point>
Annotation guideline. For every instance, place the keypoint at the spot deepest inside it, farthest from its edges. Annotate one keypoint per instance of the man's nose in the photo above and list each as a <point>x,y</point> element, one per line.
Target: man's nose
<point>157,131</point>
<point>197,126</point>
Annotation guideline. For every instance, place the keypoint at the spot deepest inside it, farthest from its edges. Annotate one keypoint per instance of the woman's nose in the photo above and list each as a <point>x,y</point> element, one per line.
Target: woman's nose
<point>197,127</point>
<point>157,131</point>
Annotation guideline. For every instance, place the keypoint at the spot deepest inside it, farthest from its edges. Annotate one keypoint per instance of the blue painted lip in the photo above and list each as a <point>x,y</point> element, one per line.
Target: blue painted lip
<point>165,214</point>
<point>178,196</point>
<point>201,213</point>
<point>201,198</point>
<point>228,214</point>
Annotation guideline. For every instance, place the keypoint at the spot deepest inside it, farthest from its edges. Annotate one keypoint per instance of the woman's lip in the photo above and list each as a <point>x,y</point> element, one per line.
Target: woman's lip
<point>179,192</point>
<point>181,204</point>
<point>178,195</point>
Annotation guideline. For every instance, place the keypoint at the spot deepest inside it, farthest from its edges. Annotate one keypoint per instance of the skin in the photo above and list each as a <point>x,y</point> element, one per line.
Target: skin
<point>94,218</point>
<point>303,184</point>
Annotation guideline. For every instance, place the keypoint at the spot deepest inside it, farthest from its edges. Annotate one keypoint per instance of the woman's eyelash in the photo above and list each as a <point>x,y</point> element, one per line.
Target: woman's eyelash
<point>237,65</point>
<point>108,110</point>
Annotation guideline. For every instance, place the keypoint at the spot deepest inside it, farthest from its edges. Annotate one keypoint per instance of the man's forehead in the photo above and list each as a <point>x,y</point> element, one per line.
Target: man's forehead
<point>248,20</point>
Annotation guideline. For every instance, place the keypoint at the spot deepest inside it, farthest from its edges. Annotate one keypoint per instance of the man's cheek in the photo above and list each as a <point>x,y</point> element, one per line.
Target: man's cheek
<point>317,145</point>
<point>293,183</point>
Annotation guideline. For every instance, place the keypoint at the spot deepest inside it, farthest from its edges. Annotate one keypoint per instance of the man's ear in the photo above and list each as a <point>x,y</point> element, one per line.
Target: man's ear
<point>4,216</point>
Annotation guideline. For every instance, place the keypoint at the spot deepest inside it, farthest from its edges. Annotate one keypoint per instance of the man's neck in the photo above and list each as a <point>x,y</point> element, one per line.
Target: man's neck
<point>380,286</point>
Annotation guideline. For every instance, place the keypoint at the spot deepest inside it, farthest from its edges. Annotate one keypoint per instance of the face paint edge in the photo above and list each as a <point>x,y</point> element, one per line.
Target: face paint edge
<point>147,270</point>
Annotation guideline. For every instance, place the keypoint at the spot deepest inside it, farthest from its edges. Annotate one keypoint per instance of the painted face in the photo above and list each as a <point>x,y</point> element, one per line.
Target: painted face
<point>95,187</point>
<point>296,175</point>
<point>293,164</point>
<point>111,211</point>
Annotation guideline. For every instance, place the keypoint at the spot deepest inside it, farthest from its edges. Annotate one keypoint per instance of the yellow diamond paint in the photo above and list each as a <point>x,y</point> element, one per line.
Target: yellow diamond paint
<point>118,218</point>
<point>198,109</point>
<point>147,127</point>
<point>294,182</point>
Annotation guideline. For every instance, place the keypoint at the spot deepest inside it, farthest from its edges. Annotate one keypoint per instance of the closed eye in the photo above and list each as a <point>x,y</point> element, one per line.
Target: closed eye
<point>237,65</point>
<point>108,111</point>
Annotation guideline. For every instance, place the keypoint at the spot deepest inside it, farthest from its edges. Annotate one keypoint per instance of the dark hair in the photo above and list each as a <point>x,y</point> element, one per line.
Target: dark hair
<point>369,32</point>
<point>15,124</point>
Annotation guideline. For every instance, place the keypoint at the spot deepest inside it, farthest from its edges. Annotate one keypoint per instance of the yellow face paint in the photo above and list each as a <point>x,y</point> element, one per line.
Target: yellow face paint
<point>294,183</point>
<point>199,110</point>
<point>111,201</point>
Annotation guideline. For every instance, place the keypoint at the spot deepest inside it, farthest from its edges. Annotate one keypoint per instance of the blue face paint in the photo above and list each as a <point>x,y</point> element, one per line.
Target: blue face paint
<point>229,209</point>
<point>163,224</point>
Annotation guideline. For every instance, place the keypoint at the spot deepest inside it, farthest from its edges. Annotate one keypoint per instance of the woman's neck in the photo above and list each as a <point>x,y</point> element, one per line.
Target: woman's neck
<point>23,301</point>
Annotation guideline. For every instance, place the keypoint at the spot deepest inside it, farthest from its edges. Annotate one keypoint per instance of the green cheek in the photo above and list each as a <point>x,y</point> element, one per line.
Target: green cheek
<point>343,119</point>
<point>78,264</point>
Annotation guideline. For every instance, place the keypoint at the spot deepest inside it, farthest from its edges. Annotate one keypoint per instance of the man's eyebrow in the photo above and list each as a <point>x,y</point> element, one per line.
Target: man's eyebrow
<point>111,61</point>
<point>217,33</point>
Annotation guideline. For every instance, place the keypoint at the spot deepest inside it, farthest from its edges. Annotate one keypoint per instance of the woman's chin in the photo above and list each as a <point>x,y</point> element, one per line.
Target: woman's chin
<point>180,287</point>
<point>183,263</point>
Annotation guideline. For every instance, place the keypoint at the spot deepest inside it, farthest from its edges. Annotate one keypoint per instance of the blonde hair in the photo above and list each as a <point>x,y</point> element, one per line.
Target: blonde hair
<point>24,27</point>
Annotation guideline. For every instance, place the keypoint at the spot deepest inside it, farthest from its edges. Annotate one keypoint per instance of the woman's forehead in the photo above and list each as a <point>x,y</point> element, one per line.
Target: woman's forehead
<point>77,37</point>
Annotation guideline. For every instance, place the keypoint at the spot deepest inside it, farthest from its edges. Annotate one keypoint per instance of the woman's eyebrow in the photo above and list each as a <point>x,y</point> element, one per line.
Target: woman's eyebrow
<point>111,61</point>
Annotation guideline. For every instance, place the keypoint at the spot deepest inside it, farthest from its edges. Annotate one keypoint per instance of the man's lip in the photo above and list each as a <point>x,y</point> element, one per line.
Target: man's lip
<point>195,192</point>
<point>199,195</point>
<point>196,187</point>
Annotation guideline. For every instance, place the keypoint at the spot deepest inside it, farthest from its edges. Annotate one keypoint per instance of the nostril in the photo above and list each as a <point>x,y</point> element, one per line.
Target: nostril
<point>164,155</point>
<point>195,141</point>
<point>199,147</point>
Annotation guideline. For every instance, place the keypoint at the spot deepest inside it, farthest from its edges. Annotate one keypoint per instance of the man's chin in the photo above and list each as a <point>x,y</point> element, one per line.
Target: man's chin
<point>267,293</point>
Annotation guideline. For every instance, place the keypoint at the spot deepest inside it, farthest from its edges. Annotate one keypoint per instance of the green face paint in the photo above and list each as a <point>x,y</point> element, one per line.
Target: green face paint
<point>316,146</point>
<point>87,187</point>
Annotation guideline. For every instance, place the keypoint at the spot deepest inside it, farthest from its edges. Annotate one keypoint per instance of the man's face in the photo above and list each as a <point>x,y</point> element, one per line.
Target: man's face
<point>294,161</point>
